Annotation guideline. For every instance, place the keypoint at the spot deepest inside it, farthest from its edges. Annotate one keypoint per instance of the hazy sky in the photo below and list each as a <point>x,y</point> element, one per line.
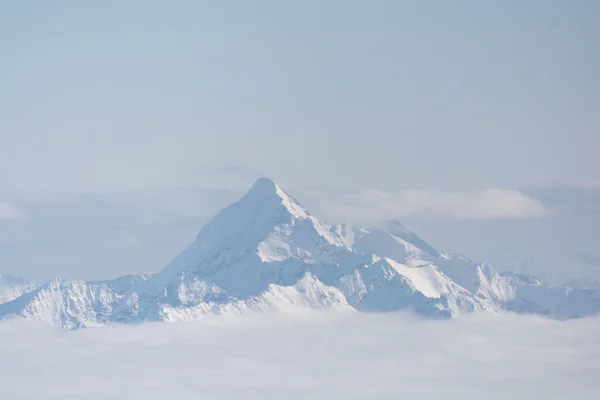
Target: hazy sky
<point>454,116</point>
<point>349,94</point>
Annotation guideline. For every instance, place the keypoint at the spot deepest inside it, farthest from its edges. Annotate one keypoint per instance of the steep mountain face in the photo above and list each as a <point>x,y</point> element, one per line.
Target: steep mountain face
<point>12,287</point>
<point>267,252</point>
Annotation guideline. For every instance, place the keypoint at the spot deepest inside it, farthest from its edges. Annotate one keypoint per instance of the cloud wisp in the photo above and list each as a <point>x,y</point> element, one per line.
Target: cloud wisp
<point>313,355</point>
<point>9,211</point>
<point>370,205</point>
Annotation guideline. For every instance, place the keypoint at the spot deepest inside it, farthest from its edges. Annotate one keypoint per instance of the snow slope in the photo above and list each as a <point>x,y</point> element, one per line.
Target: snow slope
<point>266,252</point>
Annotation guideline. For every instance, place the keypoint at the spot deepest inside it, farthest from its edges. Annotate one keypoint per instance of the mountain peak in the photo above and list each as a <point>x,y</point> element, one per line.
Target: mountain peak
<point>265,185</point>
<point>397,228</point>
<point>264,189</point>
<point>266,193</point>
<point>262,207</point>
<point>394,226</point>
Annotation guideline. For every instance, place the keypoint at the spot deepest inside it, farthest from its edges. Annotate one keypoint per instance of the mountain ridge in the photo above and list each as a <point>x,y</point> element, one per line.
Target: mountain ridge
<point>12,287</point>
<point>267,252</point>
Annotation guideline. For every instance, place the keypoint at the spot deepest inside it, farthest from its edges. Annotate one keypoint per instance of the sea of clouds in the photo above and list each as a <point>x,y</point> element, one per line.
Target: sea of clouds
<point>306,356</point>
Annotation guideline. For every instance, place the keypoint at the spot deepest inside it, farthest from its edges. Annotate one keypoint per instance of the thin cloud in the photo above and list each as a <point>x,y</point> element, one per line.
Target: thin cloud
<point>370,205</point>
<point>8,211</point>
<point>312,355</point>
<point>224,177</point>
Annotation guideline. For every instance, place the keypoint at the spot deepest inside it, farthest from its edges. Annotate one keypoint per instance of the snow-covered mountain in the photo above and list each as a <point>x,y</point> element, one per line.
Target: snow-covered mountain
<point>267,252</point>
<point>12,287</point>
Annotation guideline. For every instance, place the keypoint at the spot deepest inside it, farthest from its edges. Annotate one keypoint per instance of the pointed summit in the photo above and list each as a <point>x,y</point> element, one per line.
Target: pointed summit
<point>265,185</point>
<point>397,228</point>
<point>265,193</point>
<point>262,207</point>
<point>265,189</point>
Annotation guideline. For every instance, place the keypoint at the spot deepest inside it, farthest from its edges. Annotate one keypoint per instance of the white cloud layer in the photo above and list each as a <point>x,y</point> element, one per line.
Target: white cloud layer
<point>9,212</point>
<point>316,356</point>
<point>370,205</point>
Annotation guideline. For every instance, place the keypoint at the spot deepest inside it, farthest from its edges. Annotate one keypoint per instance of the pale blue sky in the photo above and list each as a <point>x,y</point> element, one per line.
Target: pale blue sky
<point>437,105</point>
<point>102,96</point>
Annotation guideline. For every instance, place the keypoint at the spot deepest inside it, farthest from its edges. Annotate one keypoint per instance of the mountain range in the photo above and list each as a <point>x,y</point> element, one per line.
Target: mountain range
<point>266,252</point>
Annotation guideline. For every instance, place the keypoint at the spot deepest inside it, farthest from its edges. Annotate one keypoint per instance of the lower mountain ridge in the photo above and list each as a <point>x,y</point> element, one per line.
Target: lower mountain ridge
<point>266,252</point>
<point>12,287</point>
